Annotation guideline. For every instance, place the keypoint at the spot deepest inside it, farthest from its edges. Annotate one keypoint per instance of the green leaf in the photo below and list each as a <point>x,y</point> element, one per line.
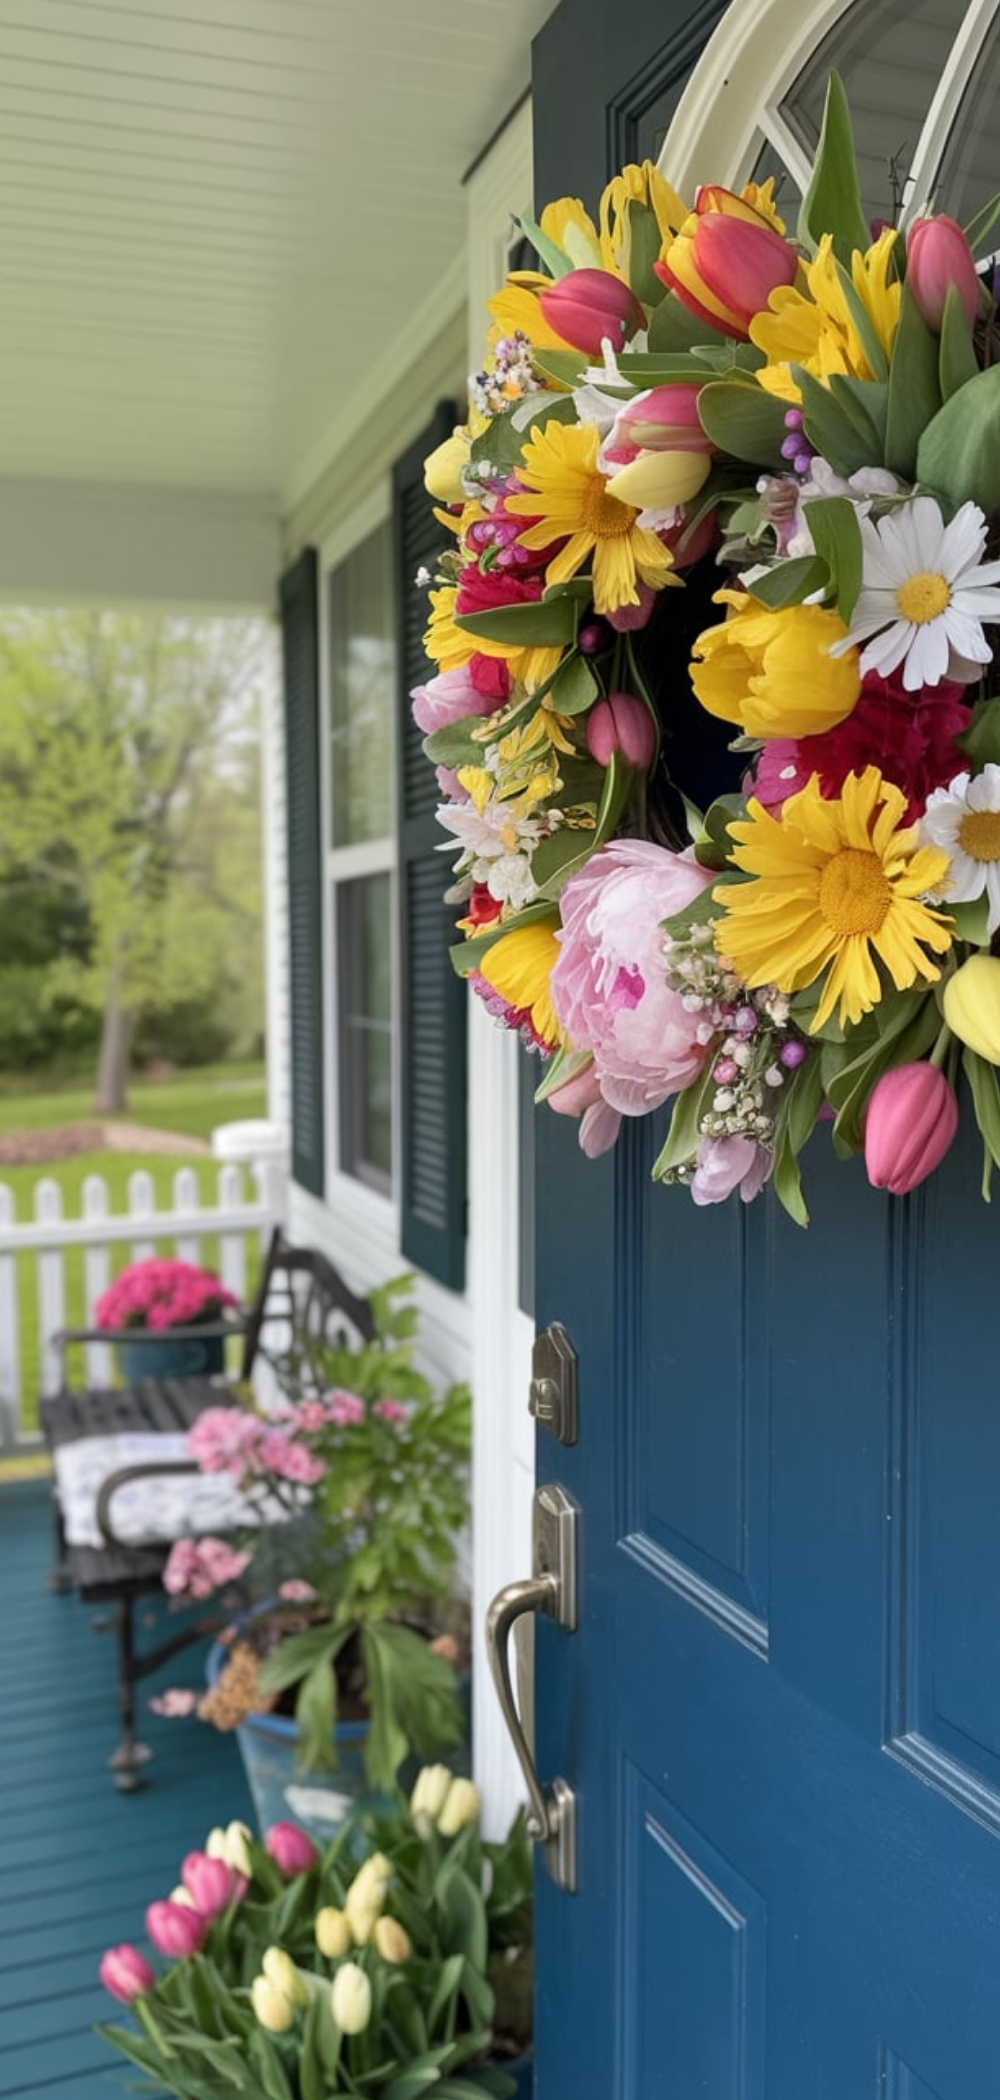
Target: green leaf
<point>972,921</point>
<point>713,845</point>
<point>914,388</point>
<point>684,1135</point>
<point>564,1065</point>
<point>982,1078</point>
<point>981,741</point>
<point>831,427</point>
<point>790,582</point>
<point>292,1658</point>
<point>673,327</point>
<point>412,1697</point>
<point>832,203</point>
<point>556,858</point>
<point>548,624</point>
<point>959,454</point>
<point>556,261</point>
<point>901,1028</point>
<point>865,403</point>
<point>956,350</point>
<point>801,1099</point>
<point>575,686</point>
<point>465,1913</point>
<point>744,420</point>
<point>836,535</point>
<point>456,745</point>
<point>981,225</point>
<point>315,1712</point>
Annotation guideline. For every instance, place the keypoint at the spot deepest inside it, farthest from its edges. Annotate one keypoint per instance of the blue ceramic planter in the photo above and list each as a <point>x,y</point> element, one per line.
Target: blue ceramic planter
<point>319,1801</point>
<point>167,1359</point>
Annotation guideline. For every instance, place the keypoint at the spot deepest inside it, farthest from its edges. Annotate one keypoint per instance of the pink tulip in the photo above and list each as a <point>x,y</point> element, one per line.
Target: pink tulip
<point>175,1929</point>
<point>290,1848</point>
<point>663,420</point>
<point>725,261</point>
<point>911,1120</point>
<point>125,1973</point>
<point>938,256</point>
<point>581,1096</point>
<point>211,1885</point>
<point>588,305</point>
<point>623,724</point>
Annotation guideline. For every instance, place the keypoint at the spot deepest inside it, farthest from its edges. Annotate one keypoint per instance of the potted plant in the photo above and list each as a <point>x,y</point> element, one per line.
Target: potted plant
<point>158,1299</point>
<point>382,1966</point>
<point>346,1663</point>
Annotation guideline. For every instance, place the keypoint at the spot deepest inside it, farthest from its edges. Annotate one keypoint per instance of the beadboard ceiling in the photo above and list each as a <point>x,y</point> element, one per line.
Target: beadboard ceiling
<point>215,214</point>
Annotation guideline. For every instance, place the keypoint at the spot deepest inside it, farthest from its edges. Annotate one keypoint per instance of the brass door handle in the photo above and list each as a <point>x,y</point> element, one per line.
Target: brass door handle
<point>551,1818</point>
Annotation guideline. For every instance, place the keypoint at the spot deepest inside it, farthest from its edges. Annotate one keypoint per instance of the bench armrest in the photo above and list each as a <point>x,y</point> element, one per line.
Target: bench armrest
<point>124,1474</point>
<point>207,1330</point>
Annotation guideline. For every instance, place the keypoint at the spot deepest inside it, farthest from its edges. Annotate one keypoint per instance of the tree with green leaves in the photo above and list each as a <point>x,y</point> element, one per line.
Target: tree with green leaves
<point>129,786</point>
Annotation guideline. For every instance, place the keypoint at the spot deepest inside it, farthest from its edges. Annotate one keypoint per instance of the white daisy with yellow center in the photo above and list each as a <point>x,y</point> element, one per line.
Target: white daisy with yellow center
<point>964,818</point>
<point>925,594</point>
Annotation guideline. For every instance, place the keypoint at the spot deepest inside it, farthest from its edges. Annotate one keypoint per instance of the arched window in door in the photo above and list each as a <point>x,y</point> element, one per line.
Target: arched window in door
<point>922,78</point>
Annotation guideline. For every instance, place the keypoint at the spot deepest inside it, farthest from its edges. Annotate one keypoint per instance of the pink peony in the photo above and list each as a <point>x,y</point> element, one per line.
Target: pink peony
<point>727,1163</point>
<point>609,984</point>
<point>448,698</point>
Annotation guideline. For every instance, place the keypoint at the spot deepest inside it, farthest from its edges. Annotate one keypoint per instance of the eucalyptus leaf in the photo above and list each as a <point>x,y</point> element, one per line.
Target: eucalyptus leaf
<point>832,203</point>
<point>566,367</point>
<point>546,624</point>
<point>829,426</point>
<point>957,360</point>
<point>684,1135</point>
<point>575,686</point>
<point>457,744</point>
<point>790,582</point>
<point>744,420</point>
<point>672,326</point>
<point>865,402</point>
<point>836,535</point>
<point>981,741</point>
<point>972,921</point>
<point>556,858</point>
<point>982,1078</point>
<point>914,388</point>
<point>959,454</point>
<point>713,845</point>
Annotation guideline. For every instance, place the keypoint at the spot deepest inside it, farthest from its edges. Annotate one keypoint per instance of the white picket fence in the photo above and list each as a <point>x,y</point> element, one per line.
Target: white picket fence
<point>46,1236</point>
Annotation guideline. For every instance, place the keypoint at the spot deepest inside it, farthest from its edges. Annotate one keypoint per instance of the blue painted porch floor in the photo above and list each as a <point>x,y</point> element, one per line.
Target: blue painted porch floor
<point>79,1862</point>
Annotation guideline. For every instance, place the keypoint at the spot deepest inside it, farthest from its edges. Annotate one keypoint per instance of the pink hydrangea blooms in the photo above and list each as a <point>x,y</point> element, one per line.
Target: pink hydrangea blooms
<point>198,1567</point>
<point>162,1294</point>
<point>609,985</point>
<point>225,1440</point>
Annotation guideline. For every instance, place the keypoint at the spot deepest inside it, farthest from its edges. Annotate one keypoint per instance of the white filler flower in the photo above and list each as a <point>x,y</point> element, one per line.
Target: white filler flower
<point>964,818</point>
<point>924,595</point>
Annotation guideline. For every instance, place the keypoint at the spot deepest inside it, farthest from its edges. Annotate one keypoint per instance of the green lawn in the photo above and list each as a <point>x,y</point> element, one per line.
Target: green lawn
<point>191,1103</point>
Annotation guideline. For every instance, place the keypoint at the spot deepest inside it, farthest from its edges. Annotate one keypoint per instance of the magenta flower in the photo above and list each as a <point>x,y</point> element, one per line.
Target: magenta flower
<point>290,1848</point>
<point>390,1411</point>
<point>344,1410</point>
<point>175,1929</point>
<point>125,1973</point>
<point>211,1885</point>
<point>609,985</point>
<point>160,1294</point>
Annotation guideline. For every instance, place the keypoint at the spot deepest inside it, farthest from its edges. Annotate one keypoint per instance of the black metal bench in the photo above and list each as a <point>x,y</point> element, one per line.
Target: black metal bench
<point>300,1289</point>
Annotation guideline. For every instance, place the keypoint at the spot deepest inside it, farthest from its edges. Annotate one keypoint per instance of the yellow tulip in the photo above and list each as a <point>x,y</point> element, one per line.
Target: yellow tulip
<point>429,1795</point>
<point>772,672</point>
<point>461,1807</point>
<point>971,1003</point>
<point>365,1898</point>
<point>443,468</point>
<point>392,1941</point>
<point>270,2005</point>
<point>280,1970</point>
<point>351,1999</point>
<point>333,1933</point>
<point>660,480</point>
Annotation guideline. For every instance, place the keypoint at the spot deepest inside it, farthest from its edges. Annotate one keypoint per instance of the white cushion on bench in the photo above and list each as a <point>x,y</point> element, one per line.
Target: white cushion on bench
<point>147,1512</point>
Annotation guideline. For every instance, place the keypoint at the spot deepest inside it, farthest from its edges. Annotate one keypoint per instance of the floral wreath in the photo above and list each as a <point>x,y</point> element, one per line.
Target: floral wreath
<point>822,415</point>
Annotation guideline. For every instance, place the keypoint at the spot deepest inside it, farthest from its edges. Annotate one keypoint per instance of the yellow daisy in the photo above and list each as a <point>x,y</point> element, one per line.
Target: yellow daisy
<point>519,966</point>
<point>816,329</point>
<point>451,647</point>
<point>567,496</point>
<point>835,881</point>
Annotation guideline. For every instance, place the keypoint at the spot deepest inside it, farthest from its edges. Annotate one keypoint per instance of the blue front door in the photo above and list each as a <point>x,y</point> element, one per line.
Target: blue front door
<point>781,1711</point>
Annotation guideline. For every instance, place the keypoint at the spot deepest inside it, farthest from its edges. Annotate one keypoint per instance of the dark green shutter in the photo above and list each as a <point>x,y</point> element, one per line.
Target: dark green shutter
<point>300,638</point>
<point>433,1000</point>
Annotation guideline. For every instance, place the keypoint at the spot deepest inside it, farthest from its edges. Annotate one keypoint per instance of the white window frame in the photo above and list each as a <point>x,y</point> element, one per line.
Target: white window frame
<point>377,1208</point>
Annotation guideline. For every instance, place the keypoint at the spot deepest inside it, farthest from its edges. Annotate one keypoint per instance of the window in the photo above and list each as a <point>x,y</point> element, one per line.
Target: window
<point>361,672</point>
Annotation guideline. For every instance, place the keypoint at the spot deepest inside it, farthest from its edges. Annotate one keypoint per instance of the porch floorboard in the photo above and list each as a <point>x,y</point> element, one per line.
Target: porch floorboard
<point>78,1861</point>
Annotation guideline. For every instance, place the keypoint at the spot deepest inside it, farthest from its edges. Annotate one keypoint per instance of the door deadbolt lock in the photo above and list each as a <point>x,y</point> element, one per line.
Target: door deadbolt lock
<point>553,1392</point>
<point>552,1589</point>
